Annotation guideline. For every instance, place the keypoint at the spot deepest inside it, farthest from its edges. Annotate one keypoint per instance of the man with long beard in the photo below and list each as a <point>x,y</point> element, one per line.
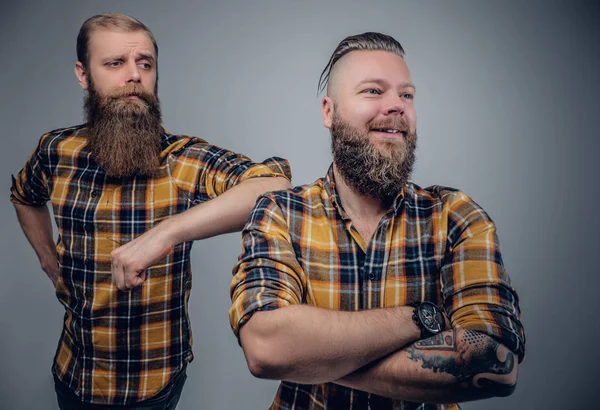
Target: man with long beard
<point>364,290</point>
<point>128,199</point>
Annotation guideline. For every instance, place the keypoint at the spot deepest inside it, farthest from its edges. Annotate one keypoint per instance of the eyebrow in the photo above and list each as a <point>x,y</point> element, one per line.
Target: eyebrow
<point>138,56</point>
<point>382,82</point>
<point>147,56</point>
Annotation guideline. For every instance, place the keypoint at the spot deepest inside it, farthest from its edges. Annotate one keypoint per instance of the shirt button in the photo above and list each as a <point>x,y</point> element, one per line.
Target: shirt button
<point>95,194</point>
<point>371,276</point>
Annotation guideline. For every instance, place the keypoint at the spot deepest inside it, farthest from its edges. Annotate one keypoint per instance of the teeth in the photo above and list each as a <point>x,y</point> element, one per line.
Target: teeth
<point>388,130</point>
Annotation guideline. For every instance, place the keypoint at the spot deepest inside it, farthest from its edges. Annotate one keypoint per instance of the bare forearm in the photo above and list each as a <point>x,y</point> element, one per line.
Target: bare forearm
<point>306,344</point>
<point>455,366</point>
<point>224,214</point>
<point>37,227</point>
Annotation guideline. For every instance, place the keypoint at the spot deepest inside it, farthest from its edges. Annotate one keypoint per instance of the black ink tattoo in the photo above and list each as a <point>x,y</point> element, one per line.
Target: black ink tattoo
<point>437,342</point>
<point>476,356</point>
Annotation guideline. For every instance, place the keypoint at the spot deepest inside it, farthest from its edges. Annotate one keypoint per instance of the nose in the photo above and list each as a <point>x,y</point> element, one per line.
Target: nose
<point>133,72</point>
<point>394,104</point>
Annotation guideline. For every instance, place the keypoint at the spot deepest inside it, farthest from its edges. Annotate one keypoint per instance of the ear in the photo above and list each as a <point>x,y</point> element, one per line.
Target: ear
<point>82,75</point>
<point>327,108</point>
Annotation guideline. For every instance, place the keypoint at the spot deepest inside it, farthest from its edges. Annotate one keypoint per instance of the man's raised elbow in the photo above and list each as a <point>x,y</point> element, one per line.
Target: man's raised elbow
<point>279,184</point>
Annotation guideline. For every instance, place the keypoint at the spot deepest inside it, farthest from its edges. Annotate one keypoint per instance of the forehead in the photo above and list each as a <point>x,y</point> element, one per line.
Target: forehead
<point>358,66</point>
<point>107,42</point>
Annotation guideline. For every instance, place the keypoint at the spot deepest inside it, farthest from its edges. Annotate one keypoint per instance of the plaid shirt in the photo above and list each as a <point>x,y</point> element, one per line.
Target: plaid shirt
<point>434,244</point>
<point>124,347</point>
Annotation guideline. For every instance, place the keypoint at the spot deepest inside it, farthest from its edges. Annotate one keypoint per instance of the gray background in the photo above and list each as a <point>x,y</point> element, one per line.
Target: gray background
<point>507,104</point>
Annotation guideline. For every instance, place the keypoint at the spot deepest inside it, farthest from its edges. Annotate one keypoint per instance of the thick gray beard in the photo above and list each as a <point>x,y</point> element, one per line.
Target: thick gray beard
<point>124,135</point>
<point>365,168</point>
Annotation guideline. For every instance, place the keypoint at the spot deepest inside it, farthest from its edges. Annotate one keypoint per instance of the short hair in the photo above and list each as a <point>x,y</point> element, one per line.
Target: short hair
<point>115,21</point>
<point>365,41</point>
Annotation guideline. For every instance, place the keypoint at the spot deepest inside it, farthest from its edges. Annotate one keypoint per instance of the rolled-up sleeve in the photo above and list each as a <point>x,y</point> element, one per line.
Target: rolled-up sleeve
<point>30,186</point>
<point>207,171</point>
<point>268,275</point>
<point>476,288</point>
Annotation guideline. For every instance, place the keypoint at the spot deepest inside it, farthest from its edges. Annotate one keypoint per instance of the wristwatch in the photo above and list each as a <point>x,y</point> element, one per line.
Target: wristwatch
<point>429,318</point>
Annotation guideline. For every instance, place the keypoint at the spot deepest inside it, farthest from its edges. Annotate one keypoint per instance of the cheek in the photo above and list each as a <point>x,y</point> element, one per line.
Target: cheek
<point>106,81</point>
<point>360,114</point>
<point>149,82</point>
<point>411,115</point>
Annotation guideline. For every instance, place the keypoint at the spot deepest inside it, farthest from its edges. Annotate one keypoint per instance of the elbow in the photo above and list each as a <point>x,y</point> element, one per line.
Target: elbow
<point>279,184</point>
<point>264,358</point>
<point>270,184</point>
<point>499,379</point>
<point>262,366</point>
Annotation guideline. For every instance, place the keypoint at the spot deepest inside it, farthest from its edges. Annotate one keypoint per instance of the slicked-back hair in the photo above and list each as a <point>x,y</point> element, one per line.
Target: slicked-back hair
<point>113,21</point>
<point>370,41</point>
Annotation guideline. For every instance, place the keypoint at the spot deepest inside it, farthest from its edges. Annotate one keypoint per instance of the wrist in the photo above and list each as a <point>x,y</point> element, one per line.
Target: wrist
<point>429,318</point>
<point>170,232</point>
<point>408,324</point>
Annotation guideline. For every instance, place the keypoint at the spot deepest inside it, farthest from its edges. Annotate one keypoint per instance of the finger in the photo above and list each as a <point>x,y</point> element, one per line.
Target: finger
<point>134,283</point>
<point>118,276</point>
<point>134,277</point>
<point>138,281</point>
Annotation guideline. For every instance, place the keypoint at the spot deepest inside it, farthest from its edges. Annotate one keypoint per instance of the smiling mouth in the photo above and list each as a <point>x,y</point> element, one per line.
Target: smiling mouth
<point>391,131</point>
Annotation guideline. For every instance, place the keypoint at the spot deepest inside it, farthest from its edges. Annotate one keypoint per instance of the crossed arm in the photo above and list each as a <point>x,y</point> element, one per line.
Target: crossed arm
<point>378,351</point>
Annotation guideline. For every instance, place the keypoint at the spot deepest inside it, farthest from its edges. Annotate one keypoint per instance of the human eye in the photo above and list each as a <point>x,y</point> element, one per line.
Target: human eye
<point>114,64</point>
<point>408,96</point>
<point>145,65</point>
<point>373,91</point>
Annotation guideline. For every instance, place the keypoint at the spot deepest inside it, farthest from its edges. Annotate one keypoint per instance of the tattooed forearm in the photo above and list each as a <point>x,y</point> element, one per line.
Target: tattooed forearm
<point>473,358</point>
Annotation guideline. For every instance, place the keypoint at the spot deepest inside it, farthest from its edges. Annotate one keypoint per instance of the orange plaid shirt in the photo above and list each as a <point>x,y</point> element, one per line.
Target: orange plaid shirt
<point>124,347</point>
<point>434,244</point>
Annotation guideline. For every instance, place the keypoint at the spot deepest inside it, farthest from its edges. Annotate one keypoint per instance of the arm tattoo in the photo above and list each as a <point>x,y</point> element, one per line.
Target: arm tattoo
<point>469,356</point>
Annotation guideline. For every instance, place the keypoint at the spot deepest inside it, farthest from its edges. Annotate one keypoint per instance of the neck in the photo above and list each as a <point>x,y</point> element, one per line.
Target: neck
<point>356,204</point>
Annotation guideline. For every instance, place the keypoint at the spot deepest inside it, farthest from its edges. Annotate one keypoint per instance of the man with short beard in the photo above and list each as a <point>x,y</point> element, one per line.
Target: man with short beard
<point>128,199</point>
<point>364,290</point>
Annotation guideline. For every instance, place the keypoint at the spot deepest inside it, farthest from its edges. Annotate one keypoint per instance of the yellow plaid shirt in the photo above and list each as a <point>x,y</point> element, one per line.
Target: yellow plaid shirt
<point>434,244</point>
<point>124,347</point>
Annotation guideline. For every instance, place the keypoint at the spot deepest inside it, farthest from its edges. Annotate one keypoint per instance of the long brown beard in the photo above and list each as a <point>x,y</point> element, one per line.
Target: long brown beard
<point>124,135</point>
<point>372,171</point>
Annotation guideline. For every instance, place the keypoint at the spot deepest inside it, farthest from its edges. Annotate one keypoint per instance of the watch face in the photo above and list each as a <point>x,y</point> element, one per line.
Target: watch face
<point>431,317</point>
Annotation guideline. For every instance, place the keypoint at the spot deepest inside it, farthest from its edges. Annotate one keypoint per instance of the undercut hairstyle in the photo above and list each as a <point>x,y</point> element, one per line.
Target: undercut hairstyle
<point>369,41</point>
<point>113,21</point>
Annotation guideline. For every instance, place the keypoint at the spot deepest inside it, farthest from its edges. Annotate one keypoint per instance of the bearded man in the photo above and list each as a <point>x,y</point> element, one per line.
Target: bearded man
<point>128,200</point>
<point>364,290</point>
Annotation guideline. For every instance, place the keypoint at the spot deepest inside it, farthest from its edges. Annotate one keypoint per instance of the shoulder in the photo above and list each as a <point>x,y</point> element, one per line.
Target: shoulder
<point>298,197</point>
<point>180,143</point>
<point>442,195</point>
<point>60,135</point>
<point>457,210</point>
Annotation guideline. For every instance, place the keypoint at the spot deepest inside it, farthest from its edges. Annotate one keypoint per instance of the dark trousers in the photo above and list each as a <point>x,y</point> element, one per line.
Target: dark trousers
<point>166,399</point>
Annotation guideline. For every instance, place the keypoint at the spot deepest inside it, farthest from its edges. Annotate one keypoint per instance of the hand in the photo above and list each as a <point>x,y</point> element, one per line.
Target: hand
<point>130,261</point>
<point>51,270</point>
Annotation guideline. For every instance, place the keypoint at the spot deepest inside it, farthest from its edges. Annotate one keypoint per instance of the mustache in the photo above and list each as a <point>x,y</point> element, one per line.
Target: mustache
<point>129,90</point>
<point>398,123</point>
